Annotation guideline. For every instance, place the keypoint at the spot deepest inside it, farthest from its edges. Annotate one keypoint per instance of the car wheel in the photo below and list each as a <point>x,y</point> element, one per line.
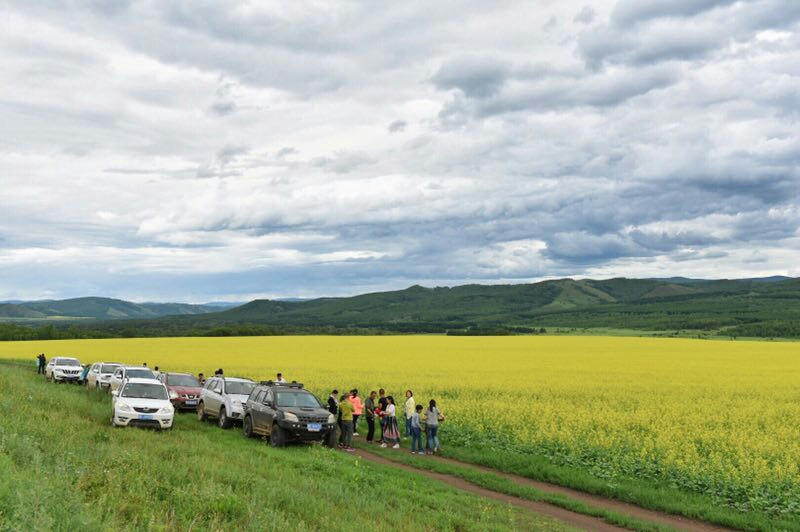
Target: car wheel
<point>201,412</point>
<point>224,422</point>
<point>277,438</point>
<point>247,427</point>
<point>330,439</point>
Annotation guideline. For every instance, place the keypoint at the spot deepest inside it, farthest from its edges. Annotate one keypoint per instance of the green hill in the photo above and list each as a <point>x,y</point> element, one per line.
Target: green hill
<point>98,308</point>
<point>748,307</point>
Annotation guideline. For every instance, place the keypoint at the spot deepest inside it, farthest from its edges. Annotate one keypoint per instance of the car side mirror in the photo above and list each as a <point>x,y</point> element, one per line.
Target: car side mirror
<point>115,393</point>
<point>268,404</point>
<point>217,390</point>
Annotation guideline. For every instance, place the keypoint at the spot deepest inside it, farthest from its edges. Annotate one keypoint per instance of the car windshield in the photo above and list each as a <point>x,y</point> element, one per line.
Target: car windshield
<point>296,399</point>
<point>108,368</point>
<point>67,362</point>
<point>140,374</point>
<point>182,380</point>
<point>239,388</point>
<point>145,391</point>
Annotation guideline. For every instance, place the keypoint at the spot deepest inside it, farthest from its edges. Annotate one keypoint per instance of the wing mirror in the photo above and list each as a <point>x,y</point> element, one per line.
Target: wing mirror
<point>218,390</point>
<point>115,393</point>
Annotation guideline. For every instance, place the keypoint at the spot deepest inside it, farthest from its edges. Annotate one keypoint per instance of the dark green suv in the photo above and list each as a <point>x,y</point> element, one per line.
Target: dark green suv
<point>286,412</point>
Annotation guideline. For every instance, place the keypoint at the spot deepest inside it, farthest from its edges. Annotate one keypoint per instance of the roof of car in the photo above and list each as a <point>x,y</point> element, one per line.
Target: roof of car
<point>139,380</point>
<point>137,367</point>
<point>65,358</point>
<point>237,379</point>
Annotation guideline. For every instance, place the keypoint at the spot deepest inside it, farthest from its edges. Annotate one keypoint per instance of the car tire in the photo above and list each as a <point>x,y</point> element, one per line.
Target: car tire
<point>277,437</point>
<point>330,440</point>
<point>247,427</point>
<point>201,412</point>
<point>224,421</point>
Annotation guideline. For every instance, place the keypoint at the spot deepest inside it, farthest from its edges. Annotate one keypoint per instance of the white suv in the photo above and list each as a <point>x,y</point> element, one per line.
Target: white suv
<point>126,372</point>
<point>142,403</point>
<point>100,374</point>
<point>224,399</point>
<point>63,369</point>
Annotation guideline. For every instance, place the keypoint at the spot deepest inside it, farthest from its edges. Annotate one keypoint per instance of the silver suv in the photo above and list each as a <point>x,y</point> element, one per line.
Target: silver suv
<point>224,399</point>
<point>100,374</point>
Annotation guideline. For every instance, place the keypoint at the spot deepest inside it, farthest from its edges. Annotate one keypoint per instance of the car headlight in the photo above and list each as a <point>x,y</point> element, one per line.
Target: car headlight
<point>166,410</point>
<point>331,419</point>
<point>173,395</point>
<point>288,416</point>
<point>124,407</point>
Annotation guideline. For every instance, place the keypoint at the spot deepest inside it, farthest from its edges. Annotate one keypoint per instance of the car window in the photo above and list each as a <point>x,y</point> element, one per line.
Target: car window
<point>268,397</point>
<point>118,373</point>
<point>145,391</point>
<point>239,388</point>
<point>210,384</point>
<point>178,379</point>
<point>296,399</point>
<point>108,368</point>
<point>259,397</point>
<point>139,373</point>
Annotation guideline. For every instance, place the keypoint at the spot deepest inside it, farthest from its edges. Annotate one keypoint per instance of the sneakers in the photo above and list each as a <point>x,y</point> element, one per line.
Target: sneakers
<point>396,446</point>
<point>412,452</point>
<point>356,434</point>
<point>383,445</point>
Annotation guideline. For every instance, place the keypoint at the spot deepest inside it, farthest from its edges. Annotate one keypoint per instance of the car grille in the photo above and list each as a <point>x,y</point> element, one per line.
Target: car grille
<point>189,396</point>
<point>70,371</point>
<point>312,419</point>
<point>143,410</point>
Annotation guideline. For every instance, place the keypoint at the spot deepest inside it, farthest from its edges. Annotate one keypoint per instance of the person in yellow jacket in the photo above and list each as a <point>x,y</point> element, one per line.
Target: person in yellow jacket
<point>346,408</point>
<point>408,410</point>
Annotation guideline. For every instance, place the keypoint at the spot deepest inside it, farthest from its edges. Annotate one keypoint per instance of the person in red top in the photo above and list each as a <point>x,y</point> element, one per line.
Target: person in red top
<point>357,409</point>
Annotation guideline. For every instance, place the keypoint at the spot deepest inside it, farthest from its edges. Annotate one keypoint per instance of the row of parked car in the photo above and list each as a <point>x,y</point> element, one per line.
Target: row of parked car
<point>281,412</point>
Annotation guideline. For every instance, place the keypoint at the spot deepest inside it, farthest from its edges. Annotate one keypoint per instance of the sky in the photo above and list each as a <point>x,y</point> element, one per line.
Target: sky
<point>198,151</point>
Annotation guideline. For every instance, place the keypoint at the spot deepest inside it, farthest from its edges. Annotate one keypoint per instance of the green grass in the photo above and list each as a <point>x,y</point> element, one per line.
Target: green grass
<point>64,467</point>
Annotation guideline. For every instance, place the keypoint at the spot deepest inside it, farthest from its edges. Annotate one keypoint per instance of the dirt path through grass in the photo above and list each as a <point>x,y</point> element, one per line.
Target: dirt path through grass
<point>567,516</point>
<point>581,521</point>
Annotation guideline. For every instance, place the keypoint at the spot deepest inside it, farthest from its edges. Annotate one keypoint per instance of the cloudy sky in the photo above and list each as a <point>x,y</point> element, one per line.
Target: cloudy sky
<point>198,151</point>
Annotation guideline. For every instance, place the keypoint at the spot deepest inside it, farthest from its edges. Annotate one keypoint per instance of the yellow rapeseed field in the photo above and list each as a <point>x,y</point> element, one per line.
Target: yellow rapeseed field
<point>718,417</point>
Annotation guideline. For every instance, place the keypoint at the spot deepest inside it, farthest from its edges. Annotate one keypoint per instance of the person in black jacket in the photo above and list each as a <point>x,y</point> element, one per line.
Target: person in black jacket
<point>333,407</point>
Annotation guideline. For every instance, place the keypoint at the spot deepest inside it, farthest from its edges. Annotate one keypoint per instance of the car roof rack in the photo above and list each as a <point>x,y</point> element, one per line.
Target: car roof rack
<point>293,384</point>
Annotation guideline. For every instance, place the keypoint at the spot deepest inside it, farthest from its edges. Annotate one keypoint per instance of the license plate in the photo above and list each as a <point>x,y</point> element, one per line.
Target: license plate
<point>191,403</point>
<point>145,417</point>
<point>314,427</point>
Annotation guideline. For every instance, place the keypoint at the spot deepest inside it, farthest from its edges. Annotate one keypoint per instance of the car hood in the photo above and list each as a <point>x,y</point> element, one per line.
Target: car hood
<point>241,398</point>
<point>143,403</point>
<point>68,367</point>
<point>193,390</point>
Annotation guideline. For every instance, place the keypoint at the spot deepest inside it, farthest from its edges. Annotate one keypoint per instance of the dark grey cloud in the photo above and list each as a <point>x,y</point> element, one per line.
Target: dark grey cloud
<point>397,126</point>
<point>475,76</point>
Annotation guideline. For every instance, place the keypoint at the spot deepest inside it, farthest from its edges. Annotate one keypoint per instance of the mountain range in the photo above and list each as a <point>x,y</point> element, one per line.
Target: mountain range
<point>756,307</point>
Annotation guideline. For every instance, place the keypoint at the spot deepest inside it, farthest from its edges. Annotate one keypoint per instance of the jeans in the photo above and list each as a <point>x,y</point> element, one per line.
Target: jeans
<point>370,428</point>
<point>432,438</point>
<point>347,433</point>
<point>408,427</point>
<point>40,370</point>
<point>416,439</point>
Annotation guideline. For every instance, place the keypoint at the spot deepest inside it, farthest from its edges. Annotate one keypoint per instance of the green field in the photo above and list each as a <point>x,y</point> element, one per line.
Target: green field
<point>65,468</point>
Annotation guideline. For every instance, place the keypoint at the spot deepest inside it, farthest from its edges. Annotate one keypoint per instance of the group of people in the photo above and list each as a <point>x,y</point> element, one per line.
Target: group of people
<point>349,408</point>
<point>41,363</point>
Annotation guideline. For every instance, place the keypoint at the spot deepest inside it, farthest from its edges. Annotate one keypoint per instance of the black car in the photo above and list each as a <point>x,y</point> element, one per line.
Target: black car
<point>286,412</point>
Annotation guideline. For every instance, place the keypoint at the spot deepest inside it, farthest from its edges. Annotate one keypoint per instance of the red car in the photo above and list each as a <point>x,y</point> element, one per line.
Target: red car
<point>184,389</point>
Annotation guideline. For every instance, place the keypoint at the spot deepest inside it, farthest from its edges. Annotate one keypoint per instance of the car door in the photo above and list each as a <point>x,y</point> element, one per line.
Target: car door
<point>50,366</point>
<point>94,372</point>
<point>256,409</point>
<point>117,378</point>
<point>268,410</point>
<point>212,399</point>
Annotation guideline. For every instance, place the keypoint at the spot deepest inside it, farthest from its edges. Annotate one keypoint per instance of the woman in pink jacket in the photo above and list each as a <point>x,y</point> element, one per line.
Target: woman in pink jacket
<point>357,408</point>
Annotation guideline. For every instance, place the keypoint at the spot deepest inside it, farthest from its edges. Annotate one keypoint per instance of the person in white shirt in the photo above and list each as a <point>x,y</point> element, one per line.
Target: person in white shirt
<point>279,378</point>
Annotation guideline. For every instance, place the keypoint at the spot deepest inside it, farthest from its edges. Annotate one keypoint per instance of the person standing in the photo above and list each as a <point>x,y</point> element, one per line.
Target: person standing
<point>201,378</point>
<point>416,432</point>
<point>358,407</point>
<point>408,410</point>
<point>383,402</point>
<point>432,418</point>
<point>391,433</point>
<point>346,409</point>
<point>369,412</point>
<point>333,407</point>
<point>42,363</point>
<point>279,378</point>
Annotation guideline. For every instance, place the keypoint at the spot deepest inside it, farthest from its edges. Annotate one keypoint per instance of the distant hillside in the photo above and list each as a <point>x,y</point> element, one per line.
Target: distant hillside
<point>619,303</point>
<point>745,307</point>
<point>98,308</point>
